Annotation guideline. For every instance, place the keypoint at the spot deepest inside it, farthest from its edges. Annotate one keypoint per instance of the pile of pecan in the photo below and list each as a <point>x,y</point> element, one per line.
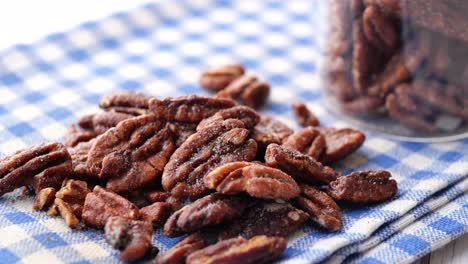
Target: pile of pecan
<point>205,167</point>
<point>407,59</point>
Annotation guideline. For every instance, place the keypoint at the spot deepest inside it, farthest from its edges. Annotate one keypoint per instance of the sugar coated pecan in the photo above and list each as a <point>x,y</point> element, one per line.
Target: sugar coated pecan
<point>363,104</point>
<point>380,30</point>
<point>66,211</point>
<point>40,166</point>
<point>182,131</point>
<point>217,78</point>
<point>245,114</point>
<point>395,72</point>
<point>131,237</point>
<point>253,178</point>
<point>266,218</point>
<point>132,154</point>
<point>189,109</point>
<point>302,167</point>
<point>180,251</point>
<point>79,156</point>
<point>303,115</point>
<point>205,150</point>
<point>364,187</point>
<point>44,198</point>
<point>340,143</point>
<point>208,211</point>
<point>257,250</point>
<point>156,213</point>
<point>248,89</point>
<point>101,122</point>
<point>308,141</point>
<point>269,131</point>
<point>320,207</point>
<point>126,102</point>
<point>76,135</point>
<point>100,204</point>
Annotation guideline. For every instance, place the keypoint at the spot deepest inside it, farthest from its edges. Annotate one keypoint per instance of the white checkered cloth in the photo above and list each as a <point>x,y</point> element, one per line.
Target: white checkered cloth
<point>160,49</point>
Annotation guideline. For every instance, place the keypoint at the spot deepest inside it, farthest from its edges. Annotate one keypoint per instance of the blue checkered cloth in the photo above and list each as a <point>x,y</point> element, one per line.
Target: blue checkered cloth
<point>160,49</point>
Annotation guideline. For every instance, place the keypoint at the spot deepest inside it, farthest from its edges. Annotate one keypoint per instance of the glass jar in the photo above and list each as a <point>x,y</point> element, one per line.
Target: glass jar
<point>399,66</point>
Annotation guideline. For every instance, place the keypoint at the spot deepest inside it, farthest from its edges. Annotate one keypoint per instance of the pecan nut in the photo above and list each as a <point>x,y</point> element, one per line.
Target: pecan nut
<point>245,114</point>
<point>40,166</point>
<point>44,198</point>
<point>205,150</point>
<point>304,116</point>
<point>308,141</point>
<point>208,211</point>
<point>76,135</point>
<point>364,187</point>
<point>180,251</point>
<point>380,30</point>
<point>126,102</point>
<point>302,167</point>
<point>267,218</point>
<point>132,154</point>
<point>257,180</point>
<point>79,156</point>
<point>100,204</point>
<point>320,207</point>
<point>156,213</point>
<point>217,78</point>
<point>159,196</point>
<point>67,213</point>
<point>188,109</point>
<point>131,237</point>
<point>269,131</point>
<point>101,122</point>
<point>248,89</point>
<point>257,250</point>
<point>340,143</point>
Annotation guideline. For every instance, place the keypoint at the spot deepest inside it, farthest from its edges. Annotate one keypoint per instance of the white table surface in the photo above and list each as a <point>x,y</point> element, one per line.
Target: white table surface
<point>25,22</point>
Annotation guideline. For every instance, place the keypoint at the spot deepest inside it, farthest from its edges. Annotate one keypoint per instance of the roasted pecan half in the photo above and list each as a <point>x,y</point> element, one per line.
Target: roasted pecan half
<point>101,122</point>
<point>304,116</point>
<point>131,237</point>
<point>302,167</point>
<point>79,156</point>
<point>182,131</point>
<point>340,143</point>
<point>205,150</point>
<point>245,114</point>
<point>268,131</point>
<point>364,187</point>
<point>133,154</point>
<point>159,196</point>
<point>308,141</point>
<point>40,166</point>
<point>266,218</point>
<point>257,250</point>
<point>156,213</point>
<point>76,135</point>
<point>126,102</point>
<point>247,89</point>
<point>44,198</point>
<point>217,78</point>
<point>180,251</point>
<point>189,109</point>
<point>253,178</point>
<point>100,204</point>
<point>208,211</point>
<point>320,207</point>
<point>381,30</point>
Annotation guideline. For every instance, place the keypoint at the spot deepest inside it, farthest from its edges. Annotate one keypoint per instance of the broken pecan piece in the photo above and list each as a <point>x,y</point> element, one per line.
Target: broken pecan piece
<point>100,204</point>
<point>267,218</point>
<point>304,116</point>
<point>245,114</point>
<point>180,251</point>
<point>253,178</point>
<point>126,102</point>
<point>302,167</point>
<point>67,213</point>
<point>205,150</point>
<point>248,89</point>
<point>44,198</point>
<point>131,237</point>
<point>132,154</point>
<point>156,213</point>
<point>208,211</point>
<point>308,141</point>
<point>40,166</point>
<point>340,143</point>
<point>217,78</point>
<point>189,109</point>
<point>257,250</point>
<point>364,187</point>
<point>320,207</point>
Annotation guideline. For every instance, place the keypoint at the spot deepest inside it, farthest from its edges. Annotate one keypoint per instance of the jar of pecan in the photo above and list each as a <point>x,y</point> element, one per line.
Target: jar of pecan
<point>400,66</point>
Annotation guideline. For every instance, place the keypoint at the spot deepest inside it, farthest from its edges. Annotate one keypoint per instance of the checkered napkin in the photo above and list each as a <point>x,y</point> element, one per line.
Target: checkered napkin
<point>160,49</point>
